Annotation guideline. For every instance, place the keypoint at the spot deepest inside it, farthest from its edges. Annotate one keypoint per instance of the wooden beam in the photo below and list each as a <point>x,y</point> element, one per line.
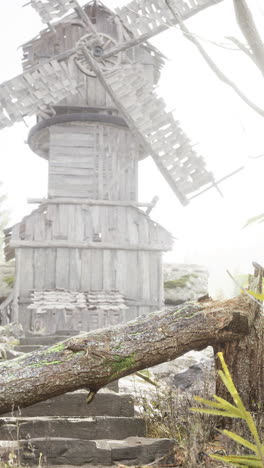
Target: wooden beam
<point>152,205</point>
<point>83,16</point>
<point>87,245</point>
<point>87,201</point>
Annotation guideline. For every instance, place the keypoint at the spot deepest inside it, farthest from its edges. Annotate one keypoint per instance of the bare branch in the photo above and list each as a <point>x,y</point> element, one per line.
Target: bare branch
<point>248,27</point>
<point>212,64</point>
<point>243,48</point>
<point>256,157</point>
<point>244,290</point>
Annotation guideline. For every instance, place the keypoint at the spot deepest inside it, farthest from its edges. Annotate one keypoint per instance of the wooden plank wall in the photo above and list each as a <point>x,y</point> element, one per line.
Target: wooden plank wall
<point>135,274</point>
<point>92,161</point>
<point>117,225</point>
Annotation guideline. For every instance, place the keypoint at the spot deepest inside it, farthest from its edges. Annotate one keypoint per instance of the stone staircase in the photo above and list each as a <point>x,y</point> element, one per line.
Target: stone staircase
<point>67,431</point>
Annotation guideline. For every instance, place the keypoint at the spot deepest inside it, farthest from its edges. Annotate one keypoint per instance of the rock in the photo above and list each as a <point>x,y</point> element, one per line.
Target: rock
<point>195,379</point>
<point>12,329</point>
<point>185,379</point>
<point>9,338</point>
<point>184,362</point>
<point>192,372</point>
<point>184,282</point>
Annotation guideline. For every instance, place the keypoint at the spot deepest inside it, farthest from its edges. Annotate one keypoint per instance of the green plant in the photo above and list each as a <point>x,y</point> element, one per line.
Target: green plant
<point>255,219</point>
<point>221,407</point>
<point>9,280</point>
<point>178,283</point>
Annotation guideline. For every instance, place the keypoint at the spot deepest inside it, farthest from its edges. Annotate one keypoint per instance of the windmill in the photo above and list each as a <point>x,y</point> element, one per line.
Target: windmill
<point>90,79</point>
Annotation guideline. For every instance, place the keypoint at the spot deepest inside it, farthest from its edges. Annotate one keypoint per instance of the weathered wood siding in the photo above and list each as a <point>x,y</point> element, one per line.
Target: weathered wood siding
<point>119,225</point>
<point>92,161</point>
<point>135,274</point>
<point>131,264</point>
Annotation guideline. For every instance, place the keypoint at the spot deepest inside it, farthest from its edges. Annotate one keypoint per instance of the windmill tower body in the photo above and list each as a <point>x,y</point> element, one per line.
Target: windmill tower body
<point>89,236</point>
<point>89,256</point>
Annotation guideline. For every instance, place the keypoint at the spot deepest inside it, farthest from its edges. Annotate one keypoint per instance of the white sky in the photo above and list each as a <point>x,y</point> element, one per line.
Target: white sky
<point>226,132</point>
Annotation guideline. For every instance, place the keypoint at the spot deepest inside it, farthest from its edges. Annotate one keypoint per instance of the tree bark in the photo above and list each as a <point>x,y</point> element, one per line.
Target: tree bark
<point>94,359</point>
<point>245,356</point>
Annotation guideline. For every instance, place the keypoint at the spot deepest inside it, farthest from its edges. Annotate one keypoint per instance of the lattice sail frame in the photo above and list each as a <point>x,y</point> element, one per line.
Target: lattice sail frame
<point>33,91</point>
<point>163,137</point>
<point>158,131</point>
<point>50,10</point>
<point>149,17</point>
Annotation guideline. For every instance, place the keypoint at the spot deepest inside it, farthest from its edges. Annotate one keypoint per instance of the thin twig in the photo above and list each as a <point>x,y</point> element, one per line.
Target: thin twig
<point>243,48</point>
<point>147,379</point>
<point>244,290</point>
<point>256,157</point>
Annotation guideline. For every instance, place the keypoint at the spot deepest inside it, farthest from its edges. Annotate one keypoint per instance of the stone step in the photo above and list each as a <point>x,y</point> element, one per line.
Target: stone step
<point>27,348</point>
<point>106,403</point>
<point>99,427</point>
<point>64,451</point>
<point>43,340</point>
<point>137,450</point>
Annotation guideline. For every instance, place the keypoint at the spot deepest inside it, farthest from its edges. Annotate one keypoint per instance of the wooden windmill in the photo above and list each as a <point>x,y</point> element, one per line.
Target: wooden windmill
<point>88,256</point>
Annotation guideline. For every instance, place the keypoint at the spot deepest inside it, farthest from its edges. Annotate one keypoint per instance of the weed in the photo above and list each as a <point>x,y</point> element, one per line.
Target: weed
<point>237,410</point>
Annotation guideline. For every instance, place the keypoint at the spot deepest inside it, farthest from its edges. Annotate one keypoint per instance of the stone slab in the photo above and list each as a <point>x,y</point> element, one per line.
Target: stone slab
<point>44,340</point>
<point>76,428</point>
<point>27,348</point>
<point>61,451</point>
<point>106,403</point>
<point>137,450</point>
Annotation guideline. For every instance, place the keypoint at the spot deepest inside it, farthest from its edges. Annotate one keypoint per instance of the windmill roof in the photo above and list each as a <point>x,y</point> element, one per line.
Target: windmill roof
<point>56,25</point>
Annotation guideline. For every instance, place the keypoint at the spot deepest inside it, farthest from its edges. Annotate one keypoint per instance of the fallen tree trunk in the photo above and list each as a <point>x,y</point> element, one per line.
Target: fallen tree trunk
<point>94,359</point>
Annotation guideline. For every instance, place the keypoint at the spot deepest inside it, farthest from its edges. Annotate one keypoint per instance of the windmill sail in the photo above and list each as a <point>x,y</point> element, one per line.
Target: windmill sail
<point>34,90</point>
<point>150,17</point>
<point>163,138</point>
<point>159,133</point>
<point>52,9</point>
